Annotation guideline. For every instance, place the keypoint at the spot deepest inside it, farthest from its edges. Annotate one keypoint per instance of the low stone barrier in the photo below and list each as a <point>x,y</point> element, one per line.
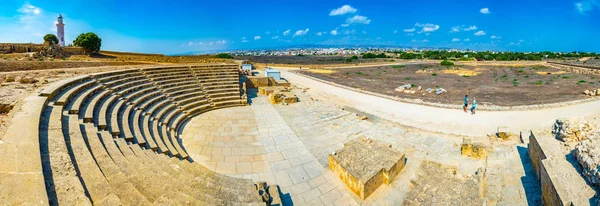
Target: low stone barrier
<point>560,182</point>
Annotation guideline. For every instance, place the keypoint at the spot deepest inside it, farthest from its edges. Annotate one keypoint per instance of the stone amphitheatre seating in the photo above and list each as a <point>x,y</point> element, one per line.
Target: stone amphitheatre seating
<point>113,138</point>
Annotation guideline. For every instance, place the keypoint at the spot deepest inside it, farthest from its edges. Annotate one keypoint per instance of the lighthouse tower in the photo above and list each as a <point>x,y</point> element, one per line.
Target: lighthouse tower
<point>60,31</point>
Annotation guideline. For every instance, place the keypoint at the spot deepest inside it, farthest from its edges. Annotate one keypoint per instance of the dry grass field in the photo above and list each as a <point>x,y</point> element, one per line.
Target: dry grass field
<point>496,84</point>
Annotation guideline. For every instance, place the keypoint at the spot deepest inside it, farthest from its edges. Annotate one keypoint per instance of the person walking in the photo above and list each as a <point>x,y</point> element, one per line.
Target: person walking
<point>466,100</point>
<point>474,106</point>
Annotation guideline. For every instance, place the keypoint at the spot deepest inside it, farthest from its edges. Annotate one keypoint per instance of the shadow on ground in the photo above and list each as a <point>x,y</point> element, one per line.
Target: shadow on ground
<point>251,94</point>
<point>530,182</point>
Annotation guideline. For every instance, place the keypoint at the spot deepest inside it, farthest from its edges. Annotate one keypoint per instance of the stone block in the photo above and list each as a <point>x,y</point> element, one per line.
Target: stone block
<point>364,164</point>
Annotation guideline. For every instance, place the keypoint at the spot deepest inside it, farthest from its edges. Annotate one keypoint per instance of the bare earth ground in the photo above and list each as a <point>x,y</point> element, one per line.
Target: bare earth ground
<point>501,85</point>
<point>9,66</point>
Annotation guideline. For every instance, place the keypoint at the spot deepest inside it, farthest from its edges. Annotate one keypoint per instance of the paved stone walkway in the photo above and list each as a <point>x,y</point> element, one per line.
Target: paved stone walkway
<point>288,145</point>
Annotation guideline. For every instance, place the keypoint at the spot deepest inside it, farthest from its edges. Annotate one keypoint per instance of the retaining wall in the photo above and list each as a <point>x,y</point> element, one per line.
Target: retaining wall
<point>560,182</point>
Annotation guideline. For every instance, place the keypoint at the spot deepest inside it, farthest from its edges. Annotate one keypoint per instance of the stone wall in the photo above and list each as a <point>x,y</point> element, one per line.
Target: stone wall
<point>6,48</point>
<point>577,69</point>
<point>73,50</point>
<point>253,82</point>
<point>560,182</point>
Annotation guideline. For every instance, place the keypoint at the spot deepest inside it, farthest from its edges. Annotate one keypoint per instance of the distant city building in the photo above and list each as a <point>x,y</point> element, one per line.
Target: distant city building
<point>60,31</point>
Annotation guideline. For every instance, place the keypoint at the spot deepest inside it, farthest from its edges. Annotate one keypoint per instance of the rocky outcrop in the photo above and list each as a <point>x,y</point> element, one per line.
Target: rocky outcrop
<point>53,51</point>
<point>572,130</point>
<point>5,108</point>
<point>593,92</point>
<point>588,156</point>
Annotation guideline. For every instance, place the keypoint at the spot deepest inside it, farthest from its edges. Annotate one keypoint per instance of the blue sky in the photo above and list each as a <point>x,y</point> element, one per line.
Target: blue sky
<point>180,26</point>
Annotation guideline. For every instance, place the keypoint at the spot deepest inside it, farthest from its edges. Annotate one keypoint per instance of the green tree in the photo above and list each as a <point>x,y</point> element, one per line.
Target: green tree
<point>369,56</point>
<point>89,41</point>
<point>224,56</point>
<point>51,38</point>
<point>354,57</point>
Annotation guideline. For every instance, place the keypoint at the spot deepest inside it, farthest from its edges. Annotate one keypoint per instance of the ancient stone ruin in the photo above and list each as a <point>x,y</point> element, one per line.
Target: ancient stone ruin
<point>572,130</point>
<point>588,156</point>
<point>364,164</point>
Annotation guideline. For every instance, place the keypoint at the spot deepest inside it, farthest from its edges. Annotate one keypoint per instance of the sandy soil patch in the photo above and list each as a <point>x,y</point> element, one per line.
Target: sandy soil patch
<point>550,73</point>
<point>464,72</point>
<point>322,71</point>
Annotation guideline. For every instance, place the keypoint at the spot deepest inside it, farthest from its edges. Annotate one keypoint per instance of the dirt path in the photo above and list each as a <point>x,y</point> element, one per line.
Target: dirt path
<point>452,121</point>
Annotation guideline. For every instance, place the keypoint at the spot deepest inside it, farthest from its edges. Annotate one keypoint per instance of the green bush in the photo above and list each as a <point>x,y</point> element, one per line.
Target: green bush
<point>224,56</point>
<point>398,66</point>
<point>10,79</point>
<point>447,63</point>
<point>51,38</point>
<point>434,74</point>
<point>354,57</point>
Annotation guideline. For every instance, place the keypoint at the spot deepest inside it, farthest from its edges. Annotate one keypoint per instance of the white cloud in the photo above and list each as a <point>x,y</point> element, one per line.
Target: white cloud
<point>350,32</point>
<point>345,9</point>
<point>428,27</point>
<point>286,32</point>
<point>190,43</point>
<point>480,33</point>
<point>200,43</point>
<point>29,9</point>
<point>473,27</point>
<point>211,43</point>
<point>334,32</point>
<point>364,32</point>
<point>275,37</point>
<point>462,28</point>
<point>344,25</point>
<point>268,32</point>
<point>395,31</point>
<point>485,10</point>
<point>357,19</point>
<point>521,40</point>
<point>244,41</point>
<point>425,40</point>
<point>222,42</point>
<point>301,32</point>
<point>257,38</point>
<point>319,33</point>
<point>467,39</point>
<point>496,37</point>
<point>410,30</point>
<point>455,39</point>
<point>585,6</point>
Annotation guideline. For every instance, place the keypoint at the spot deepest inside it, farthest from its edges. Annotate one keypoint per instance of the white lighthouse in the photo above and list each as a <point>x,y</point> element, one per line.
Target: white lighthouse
<point>60,31</point>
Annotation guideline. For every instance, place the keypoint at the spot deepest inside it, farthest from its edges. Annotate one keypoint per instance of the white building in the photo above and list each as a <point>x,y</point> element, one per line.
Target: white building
<point>60,31</point>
